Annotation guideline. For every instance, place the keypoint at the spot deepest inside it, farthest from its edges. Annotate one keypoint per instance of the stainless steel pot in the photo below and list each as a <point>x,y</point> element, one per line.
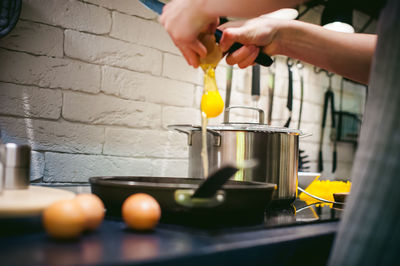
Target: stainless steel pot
<point>275,149</point>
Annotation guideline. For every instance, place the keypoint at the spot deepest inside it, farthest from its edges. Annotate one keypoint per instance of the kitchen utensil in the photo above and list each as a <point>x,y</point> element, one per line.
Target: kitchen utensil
<point>329,97</point>
<point>255,86</point>
<point>275,148</point>
<point>271,92</point>
<point>236,203</point>
<point>300,67</point>
<point>289,103</point>
<point>261,59</point>
<point>255,83</point>
<point>229,74</point>
<point>303,162</point>
<point>349,124</point>
<point>211,184</point>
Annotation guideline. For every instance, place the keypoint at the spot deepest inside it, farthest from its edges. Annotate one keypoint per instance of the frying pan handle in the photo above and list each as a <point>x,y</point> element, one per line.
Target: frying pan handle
<point>184,198</point>
<point>188,129</point>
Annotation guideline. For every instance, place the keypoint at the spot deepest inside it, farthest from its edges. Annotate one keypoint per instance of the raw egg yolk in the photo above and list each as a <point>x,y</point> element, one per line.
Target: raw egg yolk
<point>211,101</point>
<point>141,211</point>
<point>212,104</point>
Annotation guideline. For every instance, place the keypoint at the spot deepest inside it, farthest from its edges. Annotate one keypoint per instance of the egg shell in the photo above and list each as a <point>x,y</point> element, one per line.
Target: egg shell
<point>93,208</point>
<point>64,219</point>
<point>141,211</point>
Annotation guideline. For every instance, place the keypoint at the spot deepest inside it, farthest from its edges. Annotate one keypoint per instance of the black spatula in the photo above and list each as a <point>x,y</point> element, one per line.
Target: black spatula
<point>214,182</point>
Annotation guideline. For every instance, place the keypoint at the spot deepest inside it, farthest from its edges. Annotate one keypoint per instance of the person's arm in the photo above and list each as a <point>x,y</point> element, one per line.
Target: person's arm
<point>349,55</point>
<point>185,19</point>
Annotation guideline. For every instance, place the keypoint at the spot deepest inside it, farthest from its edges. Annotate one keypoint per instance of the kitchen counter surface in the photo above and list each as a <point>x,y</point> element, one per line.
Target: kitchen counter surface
<point>279,240</point>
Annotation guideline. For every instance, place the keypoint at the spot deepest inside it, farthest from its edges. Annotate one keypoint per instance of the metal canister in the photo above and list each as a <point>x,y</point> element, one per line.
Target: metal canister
<point>15,165</point>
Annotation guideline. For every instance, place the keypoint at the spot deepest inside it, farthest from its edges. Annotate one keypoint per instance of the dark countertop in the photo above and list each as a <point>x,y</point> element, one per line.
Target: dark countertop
<point>283,239</point>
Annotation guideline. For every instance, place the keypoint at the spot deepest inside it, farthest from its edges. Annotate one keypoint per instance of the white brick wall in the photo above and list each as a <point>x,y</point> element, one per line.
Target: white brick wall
<point>69,14</point>
<point>144,87</point>
<point>103,50</point>
<point>47,72</point>
<point>108,110</point>
<point>147,33</point>
<point>92,85</point>
<point>35,38</point>
<point>78,168</point>
<point>44,135</point>
<point>30,101</point>
<point>125,6</point>
<point>145,143</point>
<point>175,67</point>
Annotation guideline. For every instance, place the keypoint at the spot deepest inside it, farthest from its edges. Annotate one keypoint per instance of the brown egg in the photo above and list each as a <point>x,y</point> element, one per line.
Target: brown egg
<point>93,208</point>
<point>64,219</point>
<point>141,211</point>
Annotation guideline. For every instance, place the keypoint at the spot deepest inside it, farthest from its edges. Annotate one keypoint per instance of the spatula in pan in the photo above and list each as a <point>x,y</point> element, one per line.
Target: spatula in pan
<point>216,180</point>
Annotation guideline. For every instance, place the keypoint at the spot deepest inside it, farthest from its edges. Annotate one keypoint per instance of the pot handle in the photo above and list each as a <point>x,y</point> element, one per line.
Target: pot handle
<point>260,113</point>
<point>184,197</point>
<point>187,129</point>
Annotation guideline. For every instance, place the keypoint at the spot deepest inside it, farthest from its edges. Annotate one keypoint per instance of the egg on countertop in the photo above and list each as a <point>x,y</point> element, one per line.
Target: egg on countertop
<point>141,211</point>
<point>93,208</point>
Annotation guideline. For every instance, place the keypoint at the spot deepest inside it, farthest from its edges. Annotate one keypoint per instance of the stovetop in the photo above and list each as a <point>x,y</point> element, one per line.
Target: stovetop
<point>297,213</point>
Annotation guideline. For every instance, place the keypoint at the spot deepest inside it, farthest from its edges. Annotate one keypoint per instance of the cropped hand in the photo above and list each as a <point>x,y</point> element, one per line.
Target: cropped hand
<point>184,21</point>
<point>255,34</point>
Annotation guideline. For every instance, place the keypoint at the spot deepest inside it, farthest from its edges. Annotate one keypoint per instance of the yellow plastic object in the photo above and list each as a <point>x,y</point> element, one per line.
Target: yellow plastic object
<point>324,189</point>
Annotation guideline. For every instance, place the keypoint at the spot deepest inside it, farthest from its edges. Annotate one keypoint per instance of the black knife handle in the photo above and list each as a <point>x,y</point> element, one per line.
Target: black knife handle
<point>334,163</point>
<point>289,103</point>
<point>320,162</point>
<point>255,81</point>
<point>261,59</point>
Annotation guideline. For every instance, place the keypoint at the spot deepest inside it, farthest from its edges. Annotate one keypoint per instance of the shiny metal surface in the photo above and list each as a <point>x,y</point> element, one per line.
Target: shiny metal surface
<point>15,165</point>
<point>276,150</point>
<point>228,109</point>
<point>277,154</point>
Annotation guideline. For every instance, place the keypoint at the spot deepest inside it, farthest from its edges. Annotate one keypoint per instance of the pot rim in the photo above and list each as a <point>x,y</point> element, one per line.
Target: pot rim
<point>251,127</point>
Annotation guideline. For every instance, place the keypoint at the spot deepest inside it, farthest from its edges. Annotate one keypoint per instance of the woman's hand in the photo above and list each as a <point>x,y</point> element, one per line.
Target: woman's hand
<point>255,34</point>
<point>184,20</point>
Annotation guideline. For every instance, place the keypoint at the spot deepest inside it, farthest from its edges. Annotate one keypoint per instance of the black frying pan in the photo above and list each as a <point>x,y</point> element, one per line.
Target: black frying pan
<point>237,203</point>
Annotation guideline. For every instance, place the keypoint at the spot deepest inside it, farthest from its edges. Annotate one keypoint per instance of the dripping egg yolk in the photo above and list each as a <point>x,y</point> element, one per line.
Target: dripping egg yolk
<point>211,101</point>
<point>212,104</point>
